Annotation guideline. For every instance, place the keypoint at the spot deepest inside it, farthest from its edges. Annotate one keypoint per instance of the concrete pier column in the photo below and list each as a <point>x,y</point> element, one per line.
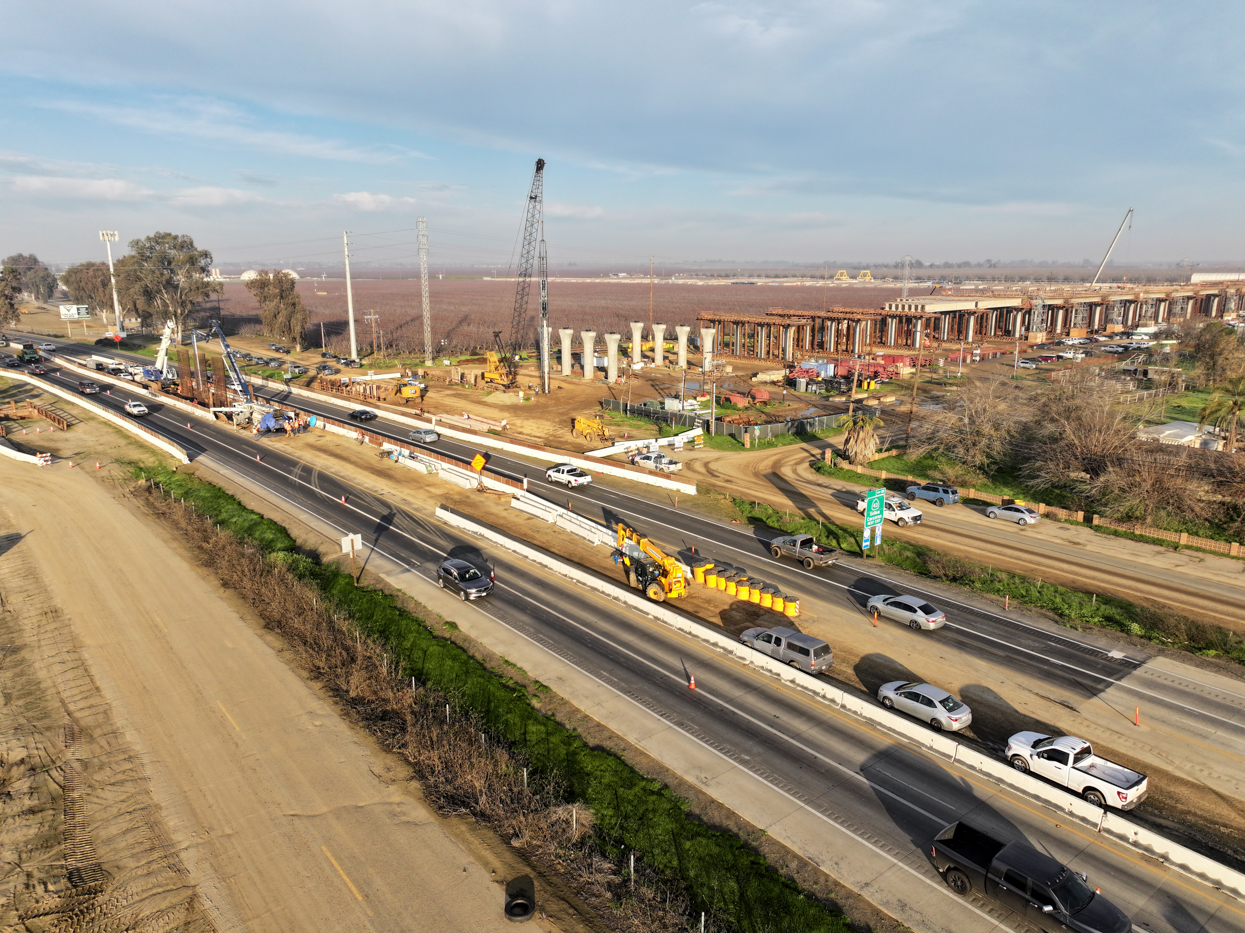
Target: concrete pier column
<point>637,338</point>
<point>611,357</point>
<point>590,352</point>
<point>659,335</point>
<point>682,330</point>
<point>706,347</point>
<point>567,334</point>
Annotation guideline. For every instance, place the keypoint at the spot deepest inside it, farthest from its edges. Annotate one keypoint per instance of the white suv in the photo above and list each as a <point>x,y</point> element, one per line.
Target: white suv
<point>569,474</point>
<point>896,510</point>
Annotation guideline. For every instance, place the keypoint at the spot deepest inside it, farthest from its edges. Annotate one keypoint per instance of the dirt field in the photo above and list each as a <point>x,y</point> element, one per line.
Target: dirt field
<point>166,770</point>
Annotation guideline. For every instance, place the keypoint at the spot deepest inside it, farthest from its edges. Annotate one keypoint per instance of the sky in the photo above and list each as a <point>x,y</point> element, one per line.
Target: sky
<point>742,131</point>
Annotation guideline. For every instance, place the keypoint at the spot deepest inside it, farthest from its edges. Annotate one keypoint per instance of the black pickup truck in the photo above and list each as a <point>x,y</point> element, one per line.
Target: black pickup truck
<point>1030,883</point>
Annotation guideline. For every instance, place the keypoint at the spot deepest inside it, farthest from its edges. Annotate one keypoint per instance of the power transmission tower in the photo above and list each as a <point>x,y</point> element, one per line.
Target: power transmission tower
<point>422,225</point>
<point>907,275</point>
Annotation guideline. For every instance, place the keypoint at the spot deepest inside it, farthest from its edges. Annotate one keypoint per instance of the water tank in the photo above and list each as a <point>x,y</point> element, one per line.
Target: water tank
<point>801,384</point>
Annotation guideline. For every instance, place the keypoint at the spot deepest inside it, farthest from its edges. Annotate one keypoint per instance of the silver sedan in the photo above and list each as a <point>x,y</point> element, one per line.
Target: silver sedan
<point>1020,514</point>
<point>913,611</point>
<point>927,703</point>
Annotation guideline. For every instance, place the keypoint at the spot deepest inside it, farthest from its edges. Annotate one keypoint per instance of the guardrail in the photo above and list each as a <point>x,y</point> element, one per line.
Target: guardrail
<point>1109,823</point>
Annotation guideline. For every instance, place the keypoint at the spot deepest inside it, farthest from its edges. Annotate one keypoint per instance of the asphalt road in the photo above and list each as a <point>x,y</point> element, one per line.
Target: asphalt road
<point>839,769</point>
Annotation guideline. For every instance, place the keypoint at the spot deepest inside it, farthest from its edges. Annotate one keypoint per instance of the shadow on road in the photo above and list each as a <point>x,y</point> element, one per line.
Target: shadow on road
<point>995,720</point>
<point>874,669</point>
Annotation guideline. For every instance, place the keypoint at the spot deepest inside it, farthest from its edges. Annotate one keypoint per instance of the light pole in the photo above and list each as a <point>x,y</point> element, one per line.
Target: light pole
<point>109,237</point>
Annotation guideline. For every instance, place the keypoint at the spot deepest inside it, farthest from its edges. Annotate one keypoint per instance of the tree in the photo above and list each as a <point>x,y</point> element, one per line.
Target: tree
<point>1220,353</point>
<point>280,306</point>
<point>171,275</point>
<point>90,284</point>
<point>861,441</point>
<point>10,291</point>
<point>974,428</point>
<point>1224,409</point>
<point>37,279</point>
<point>130,292</point>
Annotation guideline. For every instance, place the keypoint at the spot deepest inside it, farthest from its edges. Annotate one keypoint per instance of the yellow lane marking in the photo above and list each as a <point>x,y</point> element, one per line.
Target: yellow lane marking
<point>227,716</point>
<point>350,884</point>
<point>855,723</point>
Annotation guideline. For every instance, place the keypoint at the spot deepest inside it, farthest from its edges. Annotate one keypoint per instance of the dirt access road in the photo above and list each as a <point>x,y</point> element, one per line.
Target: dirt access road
<point>1201,586</point>
<point>159,748</point>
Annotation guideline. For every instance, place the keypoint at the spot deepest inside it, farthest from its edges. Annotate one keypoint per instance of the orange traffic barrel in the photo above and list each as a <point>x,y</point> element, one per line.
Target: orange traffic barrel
<point>754,594</point>
<point>767,597</point>
<point>777,601</point>
<point>743,591</point>
<point>792,608</point>
<point>711,578</point>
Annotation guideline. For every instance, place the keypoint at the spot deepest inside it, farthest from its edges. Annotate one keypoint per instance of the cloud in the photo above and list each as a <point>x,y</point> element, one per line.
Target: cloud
<point>367,201</point>
<point>258,178</point>
<point>86,189</point>
<point>206,196</point>
<point>223,123</point>
<point>573,211</point>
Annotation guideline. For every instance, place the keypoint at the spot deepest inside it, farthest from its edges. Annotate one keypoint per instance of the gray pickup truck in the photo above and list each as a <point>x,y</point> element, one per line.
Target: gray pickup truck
<point>805,549</point>
<point>1029,883</point>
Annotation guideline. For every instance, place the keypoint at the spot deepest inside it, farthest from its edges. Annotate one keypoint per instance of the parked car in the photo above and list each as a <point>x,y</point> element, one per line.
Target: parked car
<point>927,703</point>
<point>362,414</point>
<point>88,388</point>
<point>1020,514</point>
<point>803,652</point>
<point>1027,364</point>
<point>328,355</point>
<point>50,347</point>
<point>913,611</point>
<point>896,510</point>
<point>805,549</point>
<point>659,462</point>
<point>462,578</point>
<point>1071,763</point>
<point>1048,358</point>
<point>938,493</point>
<point>1024,880</point>
<point>136,408</point>
<point>297,370</point>
<point>325,369</point>
<point>424,436</point>
<point>568,474</point>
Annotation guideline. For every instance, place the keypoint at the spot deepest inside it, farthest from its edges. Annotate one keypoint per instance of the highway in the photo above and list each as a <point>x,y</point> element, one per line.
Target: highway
<point>847,775</point>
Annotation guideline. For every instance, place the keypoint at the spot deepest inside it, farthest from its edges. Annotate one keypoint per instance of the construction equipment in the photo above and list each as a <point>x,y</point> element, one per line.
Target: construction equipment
<point>237,380</point>
<point>405,392</point>
<point>508,353</point>
<point>864,276</point>
<point>841,276</point>
<point>648,568</point>
<point>500,371</point>
<point>590,429</point>
<point>162,355</point>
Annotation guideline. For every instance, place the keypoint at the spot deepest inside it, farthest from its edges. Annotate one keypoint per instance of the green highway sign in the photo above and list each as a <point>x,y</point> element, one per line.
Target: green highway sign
<point>874,499</point>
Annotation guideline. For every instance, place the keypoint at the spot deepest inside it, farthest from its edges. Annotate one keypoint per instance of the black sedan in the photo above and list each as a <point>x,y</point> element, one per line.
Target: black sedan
<point>362,414</point>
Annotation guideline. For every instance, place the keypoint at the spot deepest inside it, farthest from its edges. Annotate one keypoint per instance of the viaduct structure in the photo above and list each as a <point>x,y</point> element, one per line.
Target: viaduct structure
<point>1031,315</point>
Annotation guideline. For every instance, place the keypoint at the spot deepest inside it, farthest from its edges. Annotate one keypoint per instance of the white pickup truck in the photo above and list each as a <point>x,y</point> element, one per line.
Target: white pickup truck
<point>1070,762</point>
<point>659,462</point>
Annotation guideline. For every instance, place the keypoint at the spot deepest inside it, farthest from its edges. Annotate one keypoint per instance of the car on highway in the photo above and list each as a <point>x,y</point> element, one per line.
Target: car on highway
<point>568,475</point>
<point>424,436</point>
<point>12,362</point>
<point>462,578</point>
<point>362,414</point>
<point>88,388</point>
<point>927,703</point>
<point>938,493</point>
<point>136,408</point>
<point>50,347</point>
<point>803,652</point>
<point>1020,514</point>
<point>1027,364</point>
<point>38,370</point>
<point>913,611</point>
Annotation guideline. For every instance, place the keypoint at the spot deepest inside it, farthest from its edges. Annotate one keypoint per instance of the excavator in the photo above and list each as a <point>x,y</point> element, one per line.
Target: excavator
<point>501,370</point>
<point>404,392</point>
<point>649,568</point>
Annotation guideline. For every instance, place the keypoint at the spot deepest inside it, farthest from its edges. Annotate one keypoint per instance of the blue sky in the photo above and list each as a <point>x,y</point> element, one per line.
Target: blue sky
<point>841,129</point>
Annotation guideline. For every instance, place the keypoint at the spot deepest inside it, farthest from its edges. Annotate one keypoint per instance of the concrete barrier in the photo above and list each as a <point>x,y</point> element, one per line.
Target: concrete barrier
<point>125,424</point>
<point>1110,823</point>
<point>8,450</point>
<point>535,508</point>
<point>492,442</point>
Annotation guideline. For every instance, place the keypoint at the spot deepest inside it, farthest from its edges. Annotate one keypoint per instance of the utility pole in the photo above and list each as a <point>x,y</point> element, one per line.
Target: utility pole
<point>371,317</point>
<point>109,237</point>
<point>323,342</point>
<point>422,226</point>
<point>650,297</point>
<point>912,405</point>
<point>354,343</point>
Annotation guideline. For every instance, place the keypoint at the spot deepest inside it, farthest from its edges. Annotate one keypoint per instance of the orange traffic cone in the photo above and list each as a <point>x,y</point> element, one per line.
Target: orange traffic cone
<point>71,464</point>
<point>187,424</point>
<point>38,430</point>
<point>97,464</point>
<point>691,681</point>
<point>257,458</point>
<point>343,500</point>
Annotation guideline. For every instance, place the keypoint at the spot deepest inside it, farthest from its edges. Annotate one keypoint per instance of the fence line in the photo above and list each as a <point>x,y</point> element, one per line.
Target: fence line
<point>702,420</point>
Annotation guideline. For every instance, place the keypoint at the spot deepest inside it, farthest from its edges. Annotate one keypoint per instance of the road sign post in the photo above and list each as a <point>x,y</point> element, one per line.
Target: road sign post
<point>351,543</point>
<point>875,499</point>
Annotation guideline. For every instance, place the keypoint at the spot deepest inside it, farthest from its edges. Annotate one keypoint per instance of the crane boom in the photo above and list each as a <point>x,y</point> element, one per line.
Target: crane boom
<point>534,212</point>
<point>242,387</point>
<point>1111,247</point>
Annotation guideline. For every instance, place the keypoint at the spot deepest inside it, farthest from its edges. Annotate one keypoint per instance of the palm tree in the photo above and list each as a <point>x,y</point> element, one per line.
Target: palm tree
<point>862,440</point>
<point>1223,408</point>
